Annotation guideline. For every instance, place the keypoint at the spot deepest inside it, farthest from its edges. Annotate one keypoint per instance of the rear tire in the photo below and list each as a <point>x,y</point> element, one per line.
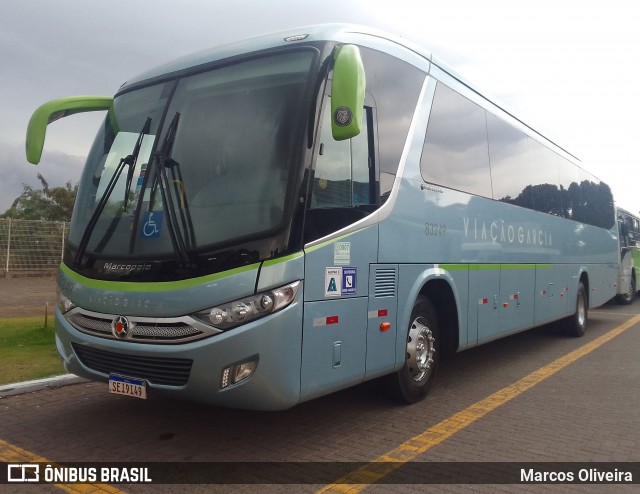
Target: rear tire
<point>413,382</point>
<point>627,298</point>
<point>576,325</point>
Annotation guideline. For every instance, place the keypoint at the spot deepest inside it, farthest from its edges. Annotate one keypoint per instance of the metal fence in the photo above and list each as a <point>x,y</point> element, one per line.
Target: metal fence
<point>31,248</point>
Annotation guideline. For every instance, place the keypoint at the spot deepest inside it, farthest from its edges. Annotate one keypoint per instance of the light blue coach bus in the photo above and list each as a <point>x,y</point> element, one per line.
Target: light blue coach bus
<point>284,217</point>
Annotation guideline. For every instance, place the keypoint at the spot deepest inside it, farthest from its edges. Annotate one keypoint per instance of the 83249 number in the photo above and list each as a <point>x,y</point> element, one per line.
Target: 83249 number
<point>434,229</point>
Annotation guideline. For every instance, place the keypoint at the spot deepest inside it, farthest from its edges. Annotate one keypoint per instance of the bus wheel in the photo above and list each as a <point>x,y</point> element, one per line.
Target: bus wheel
<point>627,298</point>
<point>412,383</point>
<point>576,325</point>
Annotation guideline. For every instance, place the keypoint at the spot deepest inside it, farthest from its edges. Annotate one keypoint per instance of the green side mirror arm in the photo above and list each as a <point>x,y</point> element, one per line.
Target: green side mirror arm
<point>54,110</point>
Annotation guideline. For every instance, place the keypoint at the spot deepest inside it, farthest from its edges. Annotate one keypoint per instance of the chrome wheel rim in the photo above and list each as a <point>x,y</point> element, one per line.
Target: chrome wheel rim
<point>421,350</point>
<point>582,311</point>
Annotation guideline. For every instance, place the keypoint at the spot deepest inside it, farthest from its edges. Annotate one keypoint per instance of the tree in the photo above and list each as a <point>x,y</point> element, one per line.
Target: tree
<point>49,204</point>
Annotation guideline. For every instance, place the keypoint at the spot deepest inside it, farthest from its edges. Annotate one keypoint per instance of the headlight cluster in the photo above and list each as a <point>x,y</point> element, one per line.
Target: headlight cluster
<point>64,304</point>
<point>232,314</point>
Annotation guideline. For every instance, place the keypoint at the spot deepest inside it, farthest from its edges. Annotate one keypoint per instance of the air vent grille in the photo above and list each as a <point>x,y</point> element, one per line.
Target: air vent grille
<point>385,285</point>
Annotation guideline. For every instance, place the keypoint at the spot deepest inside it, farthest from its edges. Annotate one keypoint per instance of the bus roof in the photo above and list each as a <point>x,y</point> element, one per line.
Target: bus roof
<point>322,32</point>
<point>345,33</point>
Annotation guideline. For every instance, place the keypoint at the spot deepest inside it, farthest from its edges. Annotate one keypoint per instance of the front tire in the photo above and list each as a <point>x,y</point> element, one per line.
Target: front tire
<point>413,382</point>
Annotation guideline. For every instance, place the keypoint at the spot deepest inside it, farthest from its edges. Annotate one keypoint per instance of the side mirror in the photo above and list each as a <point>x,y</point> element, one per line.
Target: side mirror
<point>347,93</point>
<point>54,110</point>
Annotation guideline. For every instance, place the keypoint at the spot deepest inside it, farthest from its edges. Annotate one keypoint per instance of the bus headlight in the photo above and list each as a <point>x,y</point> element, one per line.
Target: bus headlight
<point>232,314</point>
<point>64,304</point>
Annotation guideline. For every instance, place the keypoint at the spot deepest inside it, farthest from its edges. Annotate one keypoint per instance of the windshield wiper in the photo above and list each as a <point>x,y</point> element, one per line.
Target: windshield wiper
<point>132,159</point>
<point>162,162</point>
<point>129,161</point>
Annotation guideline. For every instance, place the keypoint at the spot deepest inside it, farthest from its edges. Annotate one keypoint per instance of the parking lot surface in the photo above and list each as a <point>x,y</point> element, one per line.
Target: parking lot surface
<point>27,296</point>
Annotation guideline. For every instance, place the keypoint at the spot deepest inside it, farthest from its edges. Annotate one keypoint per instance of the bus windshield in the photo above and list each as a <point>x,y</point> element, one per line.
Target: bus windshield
<point>222,178</point>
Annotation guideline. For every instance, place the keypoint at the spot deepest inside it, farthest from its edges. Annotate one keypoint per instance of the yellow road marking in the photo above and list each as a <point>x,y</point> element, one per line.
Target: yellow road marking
<point>10,453</point>
<point>387,463</point>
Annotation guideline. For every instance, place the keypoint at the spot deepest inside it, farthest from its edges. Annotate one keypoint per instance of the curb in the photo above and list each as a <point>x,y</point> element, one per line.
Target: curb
<point>39,384</point>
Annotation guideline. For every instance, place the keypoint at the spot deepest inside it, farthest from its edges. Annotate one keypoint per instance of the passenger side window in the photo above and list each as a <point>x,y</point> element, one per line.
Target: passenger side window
<point>455,151</point>
<point>344,186</point>
<point>343,176</point>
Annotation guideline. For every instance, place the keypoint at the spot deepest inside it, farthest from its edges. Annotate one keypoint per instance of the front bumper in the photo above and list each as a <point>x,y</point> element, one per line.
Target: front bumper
<point>193,370</point>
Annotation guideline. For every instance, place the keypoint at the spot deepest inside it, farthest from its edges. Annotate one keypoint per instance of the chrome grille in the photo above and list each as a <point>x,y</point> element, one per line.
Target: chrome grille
<point>142,329</point>
<point>92,324</point>
<point>156,370</point>
<point>167,331</point>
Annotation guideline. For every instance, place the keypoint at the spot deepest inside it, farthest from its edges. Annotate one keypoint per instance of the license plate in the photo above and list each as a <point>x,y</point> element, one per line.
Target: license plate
<point>127,386</point>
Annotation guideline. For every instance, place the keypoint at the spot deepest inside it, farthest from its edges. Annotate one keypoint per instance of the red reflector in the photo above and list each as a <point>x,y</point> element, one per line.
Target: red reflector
<point>332,320</point>
<point>383,313</point>
<point>506,304</point>
<point>385,326</point>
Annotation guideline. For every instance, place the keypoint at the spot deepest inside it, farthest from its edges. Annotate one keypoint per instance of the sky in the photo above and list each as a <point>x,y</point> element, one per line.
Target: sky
<point>568,68</point>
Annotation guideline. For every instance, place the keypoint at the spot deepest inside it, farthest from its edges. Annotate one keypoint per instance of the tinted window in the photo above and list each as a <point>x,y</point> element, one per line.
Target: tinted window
<point>455,153</point>
<point>568,177</point>
<point>594,202</point>
<point>342,176</point>
<point>394,86</point>
<point>511,171</point>
<point>514,168</point>
<point>545,188</point>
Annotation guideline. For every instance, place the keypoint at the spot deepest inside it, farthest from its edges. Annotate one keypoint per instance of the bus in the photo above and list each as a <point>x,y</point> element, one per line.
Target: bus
<point>280,218</point>
<point>629,263</point>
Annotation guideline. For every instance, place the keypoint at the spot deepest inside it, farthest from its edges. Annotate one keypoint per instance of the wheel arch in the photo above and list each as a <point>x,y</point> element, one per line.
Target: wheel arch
<point>584,279</point>
<point>438,286</point>
<point>443,298</point>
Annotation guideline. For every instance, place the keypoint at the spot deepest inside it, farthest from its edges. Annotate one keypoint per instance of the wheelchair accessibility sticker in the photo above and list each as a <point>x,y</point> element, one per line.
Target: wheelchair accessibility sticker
<point>152,224</point>
<point>340,281</point>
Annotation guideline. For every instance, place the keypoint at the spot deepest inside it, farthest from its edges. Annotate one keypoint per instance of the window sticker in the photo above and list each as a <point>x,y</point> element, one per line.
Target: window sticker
<point>349,281</point>
<point>333,282</point>
<point>342,253</point>
<point>152,224</point>
<point>340,281</point>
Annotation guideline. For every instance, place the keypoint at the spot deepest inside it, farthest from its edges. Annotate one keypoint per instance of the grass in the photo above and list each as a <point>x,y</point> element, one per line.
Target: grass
<point>27,350</point>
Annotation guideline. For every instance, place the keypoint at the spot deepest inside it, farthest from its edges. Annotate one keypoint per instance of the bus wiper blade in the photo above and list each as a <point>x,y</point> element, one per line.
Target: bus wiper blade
<point>160,157</point>
<point>132,159</point>
<point>158,168</point>
<point>175,234</point>
<point>84,241</point>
